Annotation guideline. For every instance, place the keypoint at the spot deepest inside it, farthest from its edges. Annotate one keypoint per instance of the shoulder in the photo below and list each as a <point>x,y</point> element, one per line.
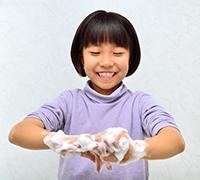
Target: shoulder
<point>138,94</point>
<point>71,93</point>
<point>141,98</point>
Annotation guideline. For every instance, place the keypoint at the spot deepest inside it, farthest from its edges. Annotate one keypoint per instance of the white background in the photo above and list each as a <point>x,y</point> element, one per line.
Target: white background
<point>35,66</point>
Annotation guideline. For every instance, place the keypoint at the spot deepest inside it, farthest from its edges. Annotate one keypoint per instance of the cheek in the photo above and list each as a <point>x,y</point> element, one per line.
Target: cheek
<point>88,67</point>
<point>124,63</point>
<point>125,67</point>
<point>85,62</point>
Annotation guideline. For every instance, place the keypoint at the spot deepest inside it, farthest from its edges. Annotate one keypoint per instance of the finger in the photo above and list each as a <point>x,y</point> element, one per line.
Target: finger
<point>128,156</point>
<point>102,149</point>
<point>88,155</point>
<point>120,135</point>
<point>110,147</point>
<point>71,138</point>
<point>108,166</point>
<point>63,152</point>
<point>98,163</point>
<point>112,140</point>
<point>98,137</point>
<point>110,158</point>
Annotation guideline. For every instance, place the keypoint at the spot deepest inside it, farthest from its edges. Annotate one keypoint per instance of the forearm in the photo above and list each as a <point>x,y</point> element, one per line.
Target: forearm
<point>166,144</point>
<point>29,133</point>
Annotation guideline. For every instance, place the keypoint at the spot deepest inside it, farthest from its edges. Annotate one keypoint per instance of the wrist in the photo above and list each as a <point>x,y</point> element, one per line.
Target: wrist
<point>140,148</point>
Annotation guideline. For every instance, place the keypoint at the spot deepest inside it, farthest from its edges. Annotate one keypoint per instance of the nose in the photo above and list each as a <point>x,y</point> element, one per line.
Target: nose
<point>106,61</point>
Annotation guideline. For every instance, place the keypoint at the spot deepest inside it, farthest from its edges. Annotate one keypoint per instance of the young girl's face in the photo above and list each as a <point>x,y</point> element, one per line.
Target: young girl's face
<point>106,65</point>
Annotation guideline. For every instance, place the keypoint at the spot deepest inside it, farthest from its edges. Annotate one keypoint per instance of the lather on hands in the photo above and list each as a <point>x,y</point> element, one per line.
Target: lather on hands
<point>113,145</point>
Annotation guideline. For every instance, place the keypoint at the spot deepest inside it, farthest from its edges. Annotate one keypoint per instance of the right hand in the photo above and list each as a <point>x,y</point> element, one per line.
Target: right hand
<point>61,143</point>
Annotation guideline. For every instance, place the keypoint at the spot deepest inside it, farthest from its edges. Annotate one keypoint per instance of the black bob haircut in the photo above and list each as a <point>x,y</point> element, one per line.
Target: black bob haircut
<point>99,27</point>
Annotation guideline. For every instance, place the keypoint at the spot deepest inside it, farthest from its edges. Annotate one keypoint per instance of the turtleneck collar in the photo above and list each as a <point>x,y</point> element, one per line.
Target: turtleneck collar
<point>100,98</point>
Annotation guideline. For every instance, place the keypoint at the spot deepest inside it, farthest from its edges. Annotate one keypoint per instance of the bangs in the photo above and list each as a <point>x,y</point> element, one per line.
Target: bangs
<point>106,29</point>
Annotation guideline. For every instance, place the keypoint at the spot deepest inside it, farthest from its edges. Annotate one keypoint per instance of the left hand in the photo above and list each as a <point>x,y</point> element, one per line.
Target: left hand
<point>121,147</point>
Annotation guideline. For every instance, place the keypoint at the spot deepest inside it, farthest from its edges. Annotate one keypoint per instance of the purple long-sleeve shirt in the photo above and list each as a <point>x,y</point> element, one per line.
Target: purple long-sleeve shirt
<point>86,111</point>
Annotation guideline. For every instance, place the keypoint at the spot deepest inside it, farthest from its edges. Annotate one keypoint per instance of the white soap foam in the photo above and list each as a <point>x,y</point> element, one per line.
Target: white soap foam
<point>86,142</point>
<point>123,148</point>
<point>110,136</point>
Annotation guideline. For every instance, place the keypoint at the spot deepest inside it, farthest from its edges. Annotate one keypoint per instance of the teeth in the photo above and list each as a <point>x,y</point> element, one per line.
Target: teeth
<point>106,74</point>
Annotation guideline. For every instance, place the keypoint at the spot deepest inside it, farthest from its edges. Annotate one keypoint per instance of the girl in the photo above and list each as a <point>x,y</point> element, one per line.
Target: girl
<point>105,48</point>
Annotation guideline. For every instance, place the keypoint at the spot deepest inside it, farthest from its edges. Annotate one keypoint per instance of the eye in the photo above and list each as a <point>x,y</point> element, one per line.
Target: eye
<point>94,53</point>
<point>118,54</point>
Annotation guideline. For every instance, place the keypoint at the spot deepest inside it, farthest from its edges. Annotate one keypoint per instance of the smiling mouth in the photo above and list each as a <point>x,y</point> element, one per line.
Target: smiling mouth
<point>106,74</point>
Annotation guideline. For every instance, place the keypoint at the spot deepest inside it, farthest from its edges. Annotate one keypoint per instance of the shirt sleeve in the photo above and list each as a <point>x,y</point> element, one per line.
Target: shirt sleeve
<point>54,114</point>
<point>153,116</point>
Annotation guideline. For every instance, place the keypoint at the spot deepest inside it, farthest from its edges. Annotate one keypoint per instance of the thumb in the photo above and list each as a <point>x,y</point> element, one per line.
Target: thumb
<point>95,158</point>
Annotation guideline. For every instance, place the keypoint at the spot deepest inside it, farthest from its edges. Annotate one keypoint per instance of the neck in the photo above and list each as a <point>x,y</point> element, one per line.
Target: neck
<point>103,91</point>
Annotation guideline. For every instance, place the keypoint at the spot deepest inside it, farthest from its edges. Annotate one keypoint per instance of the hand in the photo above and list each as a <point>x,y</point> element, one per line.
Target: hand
<point>67,145</point>
<point>113,145</point>
<point>117,144</point>
<point>120,146</point>
<point>95,158</point>
<point>107,145</point>
<point>61,143</point>
<point>84,145</point>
